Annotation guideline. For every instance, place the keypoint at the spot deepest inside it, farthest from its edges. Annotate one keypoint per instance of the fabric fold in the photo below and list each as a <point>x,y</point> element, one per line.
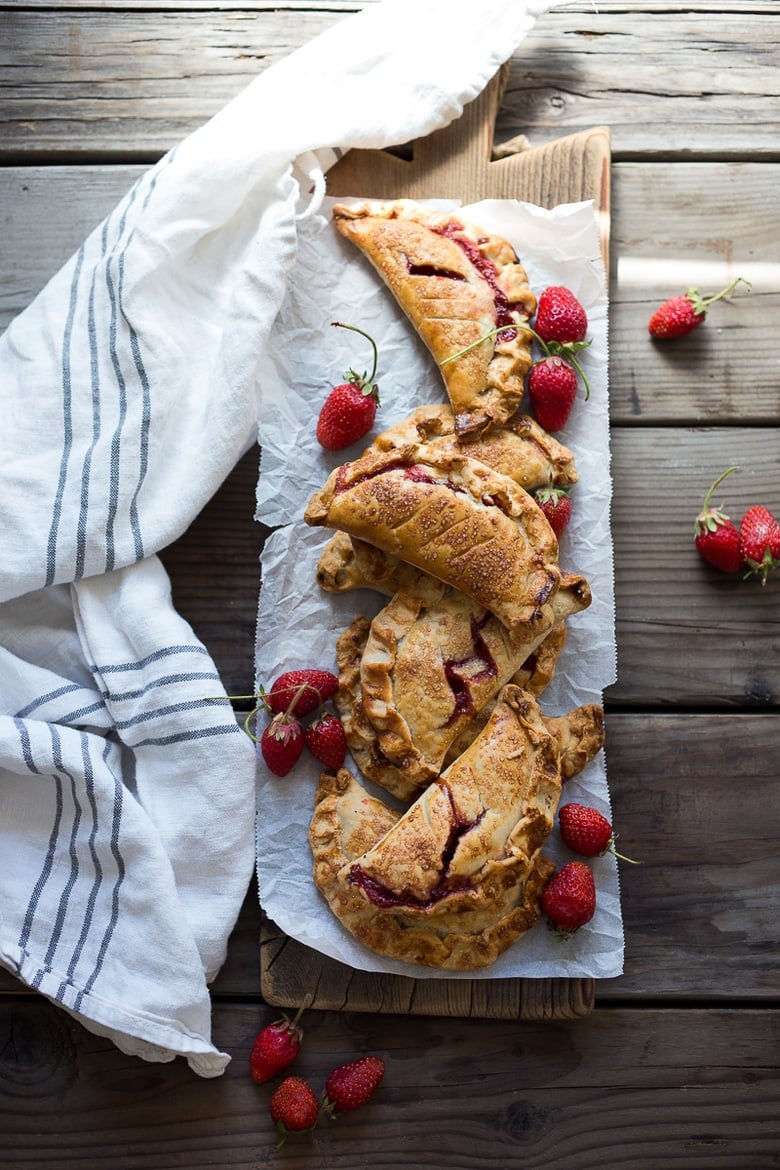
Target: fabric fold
<point>129,389</point>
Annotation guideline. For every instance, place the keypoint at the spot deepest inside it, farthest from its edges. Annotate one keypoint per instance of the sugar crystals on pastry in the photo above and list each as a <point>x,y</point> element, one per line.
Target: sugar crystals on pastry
<point>457,878</point>
<point>451,517</point>
<point>457,284</point>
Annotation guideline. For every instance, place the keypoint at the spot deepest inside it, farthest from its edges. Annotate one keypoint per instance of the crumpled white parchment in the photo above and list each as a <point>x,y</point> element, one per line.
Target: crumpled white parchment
<point>298,623</point>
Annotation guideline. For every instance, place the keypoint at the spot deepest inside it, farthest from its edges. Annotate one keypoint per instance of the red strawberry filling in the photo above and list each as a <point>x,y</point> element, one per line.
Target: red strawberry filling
<point>504,308</point>
<point>382,896</point>
<point>462,673</point>
<point>432,270</point>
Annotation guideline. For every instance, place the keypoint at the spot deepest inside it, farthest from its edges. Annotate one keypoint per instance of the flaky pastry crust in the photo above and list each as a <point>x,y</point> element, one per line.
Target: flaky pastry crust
<point>456,283</point>
<point>452,517</point>
<point>457,878</point>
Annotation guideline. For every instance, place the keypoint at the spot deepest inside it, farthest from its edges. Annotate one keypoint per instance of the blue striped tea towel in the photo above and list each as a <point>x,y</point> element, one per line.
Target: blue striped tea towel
<point>128,390</point>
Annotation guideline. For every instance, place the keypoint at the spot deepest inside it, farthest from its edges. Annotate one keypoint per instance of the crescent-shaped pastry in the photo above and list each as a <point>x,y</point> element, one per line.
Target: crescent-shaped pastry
<point>412,680</point>
<point>520,448</point>
<point>457,284</point>
<point>458,877</point>
<point>451,517</point>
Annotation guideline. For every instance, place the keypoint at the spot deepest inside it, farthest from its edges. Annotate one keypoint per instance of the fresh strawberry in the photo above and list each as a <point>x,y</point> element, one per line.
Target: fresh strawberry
<point>276,1046</point>
<point>569,898</point>
<point>717,538</point>
<point>294,1106</point>
<point>556,506</point>
<point>300,691</point>
<point>326,740</point>
<point>350,409</point>
<point>552,388</point>
<point>281,743</point>
<point>759,542</point>
<point>560,316</point>
<point>682,314</point>
<point>351,1085</point>
<point>587,831</point>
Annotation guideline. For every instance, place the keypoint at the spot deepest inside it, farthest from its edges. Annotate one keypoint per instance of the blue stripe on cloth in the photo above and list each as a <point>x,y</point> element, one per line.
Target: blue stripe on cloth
<point>108,933</point>
<point>86,470</point>
<point>64,899</point>
<point>164,680</point>
<point>67,404</point>
<point>48,861</point>
<point>47,698</point>
<point>156,656</point>
<point>189,736</point>
<point>89,783</point>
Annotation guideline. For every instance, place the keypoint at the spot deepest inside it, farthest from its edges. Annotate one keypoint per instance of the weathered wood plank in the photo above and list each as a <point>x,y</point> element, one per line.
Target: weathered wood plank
<point>662,242</point>
<point>682,1090</point>
<point>699,912</point>
<point>687,634</point>
<point>133,82</point>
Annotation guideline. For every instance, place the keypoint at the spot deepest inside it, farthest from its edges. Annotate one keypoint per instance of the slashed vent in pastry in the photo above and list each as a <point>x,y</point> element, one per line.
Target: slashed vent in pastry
<point>457,878</point>
<point>412,680</point>
<point>456,283</point>
<point>452,517</point>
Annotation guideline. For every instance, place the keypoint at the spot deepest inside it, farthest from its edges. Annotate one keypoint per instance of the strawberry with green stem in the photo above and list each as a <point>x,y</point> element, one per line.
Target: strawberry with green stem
<point>349,411</point>
<point>276,1046</point>
<point>680,315</point>
<point>587,831</point>
<point>717,538</point>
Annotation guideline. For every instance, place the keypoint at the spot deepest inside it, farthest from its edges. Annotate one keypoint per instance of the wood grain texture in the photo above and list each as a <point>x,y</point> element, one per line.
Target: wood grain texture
<point>122,82</point>
<point>662,241</point>
<point>624,1088</point>
<point>693,799</point>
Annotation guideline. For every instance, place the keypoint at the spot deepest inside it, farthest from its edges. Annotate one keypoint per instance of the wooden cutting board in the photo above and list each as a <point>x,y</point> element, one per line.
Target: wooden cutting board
<point>457,162</point>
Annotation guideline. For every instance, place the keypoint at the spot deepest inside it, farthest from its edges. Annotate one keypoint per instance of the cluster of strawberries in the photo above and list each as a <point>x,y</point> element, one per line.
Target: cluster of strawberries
<point>294,1106</point>
<point>752,548</point>
<point>294,695</point>
<point>569,898</point>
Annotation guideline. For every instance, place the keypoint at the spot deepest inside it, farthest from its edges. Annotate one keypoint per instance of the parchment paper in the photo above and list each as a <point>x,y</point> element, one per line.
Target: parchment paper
<point>298,623</point>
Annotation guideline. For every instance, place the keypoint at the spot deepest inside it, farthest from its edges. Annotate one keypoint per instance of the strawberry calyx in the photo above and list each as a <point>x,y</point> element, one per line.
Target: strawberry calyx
<point>550,495</point>
<point>700,304</point>
<point>710,518</point>
<point>363,382</point>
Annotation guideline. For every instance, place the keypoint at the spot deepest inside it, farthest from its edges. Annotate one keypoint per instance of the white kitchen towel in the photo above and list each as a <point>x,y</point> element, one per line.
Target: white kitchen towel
<point>129,389</point>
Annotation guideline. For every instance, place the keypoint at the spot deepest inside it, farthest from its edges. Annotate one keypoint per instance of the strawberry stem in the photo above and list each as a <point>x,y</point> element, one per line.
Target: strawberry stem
<point>701,304</point>
<point>485,337</point>
<point>719,480</point>
<point>370,379</point>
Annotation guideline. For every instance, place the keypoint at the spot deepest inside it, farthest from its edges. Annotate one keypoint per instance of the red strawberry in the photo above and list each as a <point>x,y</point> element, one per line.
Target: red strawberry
<point>560,316</point>
<point>294,1107</point>
<point>326,740</point>
<point>275,1047</point>
<point>552,388</point>
<point>350,409</point>
<point>282,743</point>
<point>569,898</point>
<point>717,538</point>
<point>759,542</point>
<point>556,506</point>
<point>587,831</point>
<point>301,691</point>
<point>351,1085</point>
<point>682,314</point>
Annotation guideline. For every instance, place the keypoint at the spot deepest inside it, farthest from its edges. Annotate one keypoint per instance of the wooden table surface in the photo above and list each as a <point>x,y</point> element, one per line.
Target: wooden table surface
<point>677,1065</point>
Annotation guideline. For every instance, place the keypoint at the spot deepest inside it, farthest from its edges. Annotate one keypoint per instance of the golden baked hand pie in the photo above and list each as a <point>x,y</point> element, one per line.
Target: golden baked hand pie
<point>519,448</point>
<point>457,283</point>
<point>457,878</point>
<point>454,518</point>
<point>415,677</point>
